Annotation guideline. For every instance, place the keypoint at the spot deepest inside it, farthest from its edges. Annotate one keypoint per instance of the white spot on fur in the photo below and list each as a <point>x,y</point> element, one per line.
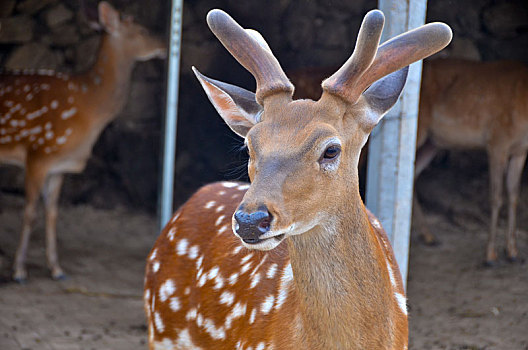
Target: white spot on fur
<point>181,248</point>
<point>191,314</point>
<point>166,290</point>
<point>209,204</point>
<point>255,280</point>
<point>402,302</point>
<point>252,316</point>
<point>213,272</point>
<point>227,298</point>
<point>238,310</point>
<point>214,332</point>
<point>233,278</point>
<point>146,296</point>
<point>193,252</point>
<point>175,304</point>
<point>155,266</point>
<point>68,113</point>
<point>219,220</point>
<point>245,268</point>
<point>261,346</point>
<point>286,279</point>
<point>391,275</point>
<point>171,233</point>
<point>219,282</point>
<point>54,104</point>
<point>271,271</point>
<point>202,280</point>
<point>229,184</point>
<point>61,140</point>
<point>266,306</point>
<point>237,250</point>
<point>243,187</point>
<point>223,229</point>
<point>185,341</point>
<point>160,326</point>
<point>246,258</point>
<point>164,344</point>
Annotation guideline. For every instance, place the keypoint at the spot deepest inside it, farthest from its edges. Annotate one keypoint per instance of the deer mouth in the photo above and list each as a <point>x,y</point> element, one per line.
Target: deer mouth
<point>260,240</point>
<point>263,243</point>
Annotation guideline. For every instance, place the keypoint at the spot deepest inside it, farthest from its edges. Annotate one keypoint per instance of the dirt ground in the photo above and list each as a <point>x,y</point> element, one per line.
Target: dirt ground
<point>454,302</point>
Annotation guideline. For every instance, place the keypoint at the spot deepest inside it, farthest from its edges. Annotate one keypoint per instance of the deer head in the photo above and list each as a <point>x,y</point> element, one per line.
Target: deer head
<point>134,40</point>
<point>303,154</point>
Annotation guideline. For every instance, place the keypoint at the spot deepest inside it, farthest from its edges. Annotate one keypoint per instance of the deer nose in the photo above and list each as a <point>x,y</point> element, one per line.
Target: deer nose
<point>251,225</point>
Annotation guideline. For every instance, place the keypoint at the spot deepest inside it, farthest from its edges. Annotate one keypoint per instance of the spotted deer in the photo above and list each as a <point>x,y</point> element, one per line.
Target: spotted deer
<point>478,105</point>
<point>218,276</point>
<point>50,121</point>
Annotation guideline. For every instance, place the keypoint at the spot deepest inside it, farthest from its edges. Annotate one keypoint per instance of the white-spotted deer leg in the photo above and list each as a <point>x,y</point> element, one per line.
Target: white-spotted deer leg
<point>513,186</point>
<point>497,165</point>
<point>33,183</point>
<point>424,156</point>
<point>51,192</point>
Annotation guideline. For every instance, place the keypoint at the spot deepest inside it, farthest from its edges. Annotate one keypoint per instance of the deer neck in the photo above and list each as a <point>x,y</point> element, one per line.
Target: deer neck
<point>108,81</point>
<point>340,283</point>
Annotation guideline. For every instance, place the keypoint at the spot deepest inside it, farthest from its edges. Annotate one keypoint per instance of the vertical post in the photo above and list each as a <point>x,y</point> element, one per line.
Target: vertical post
<point>171,114</point>
<point>390,169</point>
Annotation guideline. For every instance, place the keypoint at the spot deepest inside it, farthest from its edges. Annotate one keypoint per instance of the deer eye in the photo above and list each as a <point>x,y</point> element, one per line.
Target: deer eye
<point>331,152</point>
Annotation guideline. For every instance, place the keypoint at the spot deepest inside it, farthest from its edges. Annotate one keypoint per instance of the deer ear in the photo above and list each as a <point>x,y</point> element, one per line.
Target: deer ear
<point>238,107</point>
<point>108,17</point>
<point>383,94</point>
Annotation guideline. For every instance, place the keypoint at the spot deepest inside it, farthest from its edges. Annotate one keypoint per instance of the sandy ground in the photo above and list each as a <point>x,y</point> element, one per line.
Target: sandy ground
<point>454,302</point>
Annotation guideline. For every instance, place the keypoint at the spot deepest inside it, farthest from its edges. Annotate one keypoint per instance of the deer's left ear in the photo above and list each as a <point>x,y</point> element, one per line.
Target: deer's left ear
<point>238,107</point>
<point>383,94</point>
<point>109,17</point>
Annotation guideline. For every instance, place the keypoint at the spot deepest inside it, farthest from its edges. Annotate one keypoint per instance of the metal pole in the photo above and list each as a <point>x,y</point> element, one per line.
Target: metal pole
<point>171,114</point>
<point>390,169</point>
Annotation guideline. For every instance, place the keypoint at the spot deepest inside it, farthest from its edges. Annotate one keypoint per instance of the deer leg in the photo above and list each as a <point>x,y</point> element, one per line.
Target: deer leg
<point>497,164</point>
<point>424,156</point>
<point>51,192</point>
<point>33,183</point>
<point>513,185</point>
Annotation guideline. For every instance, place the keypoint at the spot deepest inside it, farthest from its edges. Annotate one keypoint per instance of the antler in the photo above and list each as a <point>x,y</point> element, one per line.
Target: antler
<point>365,66</point>
<point>252,52</point>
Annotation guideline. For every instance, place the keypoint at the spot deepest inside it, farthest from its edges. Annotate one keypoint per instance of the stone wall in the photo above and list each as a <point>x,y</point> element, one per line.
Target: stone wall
<point>124,169</point>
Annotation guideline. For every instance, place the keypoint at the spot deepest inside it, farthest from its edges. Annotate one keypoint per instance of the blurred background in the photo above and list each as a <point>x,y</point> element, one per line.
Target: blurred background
<point>107,221</point>
<point>124,168</point>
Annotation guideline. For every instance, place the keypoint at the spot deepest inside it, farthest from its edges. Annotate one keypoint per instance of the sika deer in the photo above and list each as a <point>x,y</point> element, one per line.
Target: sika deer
<point>49,121</point>
<point>334,283</point>
<point>482,105</point>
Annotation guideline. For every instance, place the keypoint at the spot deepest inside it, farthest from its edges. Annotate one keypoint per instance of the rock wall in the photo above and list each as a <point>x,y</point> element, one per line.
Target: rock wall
<point>124,169</point>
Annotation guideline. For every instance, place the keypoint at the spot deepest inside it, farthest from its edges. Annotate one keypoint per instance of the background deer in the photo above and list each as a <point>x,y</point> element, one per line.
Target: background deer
<point>466,104</point>
<point>334,284</point>
<point>50,121</point>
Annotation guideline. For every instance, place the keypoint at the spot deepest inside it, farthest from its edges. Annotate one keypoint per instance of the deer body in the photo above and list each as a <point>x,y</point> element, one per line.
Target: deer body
<point>251,298</point>
<point>478,105</point>
<point>221,277</point>
<point>50,121</point>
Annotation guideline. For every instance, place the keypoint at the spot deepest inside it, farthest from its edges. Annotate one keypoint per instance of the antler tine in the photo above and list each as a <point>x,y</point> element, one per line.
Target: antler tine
<point>344,81</point>
<point>405,49</point>
<point>250,53</point>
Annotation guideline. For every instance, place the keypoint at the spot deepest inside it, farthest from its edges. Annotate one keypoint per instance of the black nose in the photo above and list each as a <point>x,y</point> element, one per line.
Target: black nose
<point>252,225</point>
